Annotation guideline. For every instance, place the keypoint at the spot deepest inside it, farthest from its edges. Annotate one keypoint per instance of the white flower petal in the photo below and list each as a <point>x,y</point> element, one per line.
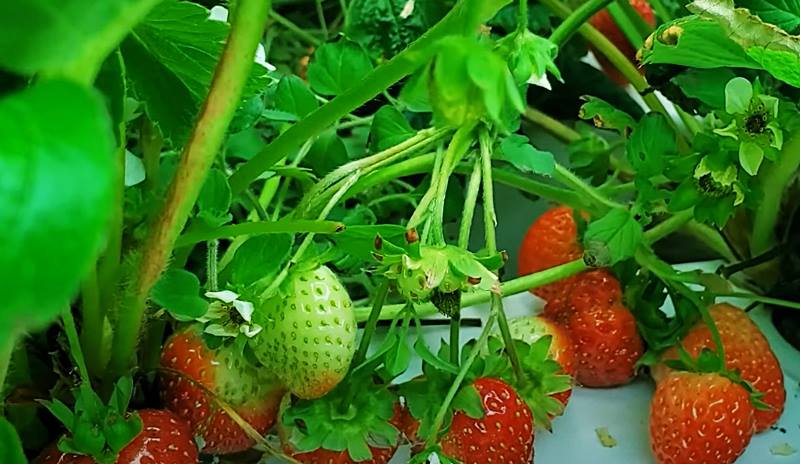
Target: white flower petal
<point>218,13</point>
<point>251,330</point>
<point>245,309</point>
<point>221,331</point>
<point>408,9</point>
<point>226,296</point>
<point>540,81</point>
<point>261,58</point>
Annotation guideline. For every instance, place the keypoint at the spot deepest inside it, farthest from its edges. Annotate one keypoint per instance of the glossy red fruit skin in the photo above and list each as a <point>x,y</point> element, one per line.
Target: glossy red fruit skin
<point>595,288</point>
<point>187,395</point>
<point>607,344</point>
<point>605,24</point>
<point>165,439</point>
<point>699,419</point>
<point>504,434</point>
<point>746,350</point>
<point>325,456</point>
<point>551,240</point>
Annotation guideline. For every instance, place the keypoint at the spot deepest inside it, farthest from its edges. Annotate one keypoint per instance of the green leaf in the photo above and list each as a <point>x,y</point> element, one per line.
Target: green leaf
<point>782,13</point>
<point>784,65</point>
<point>48,35</point>
<point>121,396</point>
<point>121,431</point>
<point>61,411</point>
<point>294,97</point>
<point>706,85</point>
<point>468,400</point>
<point>389,128</point>
<point>134,169</point>
<point>56,156</point>
<point>618,231</point>
<point>170,58</point>
<point>650,146</point>
<point>695,42</point>
<point>525,157</point>
<point>260,257</point>
<point>359,240</point>
<point>10,445</point>
<point>178,291</point>
<point>215,196</point>
<point>738,93</point>
<point>111,82</point>
<point>337,67</point>
<point>327,153</point>
<point>606,116</point>
<point>386,27</point>
<point>422,350</point>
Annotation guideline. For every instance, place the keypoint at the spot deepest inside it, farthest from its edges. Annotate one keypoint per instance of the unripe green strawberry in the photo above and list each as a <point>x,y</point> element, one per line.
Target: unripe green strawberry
<point>309,332</point>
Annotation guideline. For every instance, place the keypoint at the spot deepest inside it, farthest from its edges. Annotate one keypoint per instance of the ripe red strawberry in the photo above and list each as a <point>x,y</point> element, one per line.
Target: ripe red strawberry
<point>604,23</point>
<point>562,350</point>
<point>164,439</point>
<point>191,370</point>
<point>504,434</point>
<point>607,343</point>
<point>699,418</point>
<point>309,332</point>
<point>597,287</point>
<point>746,350</point>
<point>551,240</point>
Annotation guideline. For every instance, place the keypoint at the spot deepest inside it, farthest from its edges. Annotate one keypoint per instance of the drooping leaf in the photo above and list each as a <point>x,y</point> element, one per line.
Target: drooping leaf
<point>389,128</point>
<point>327,153</point>
<point>259,257</point>
<point>170,58</point>
<point>706,85</point>
<point>522,155</point>
<point>337,67</point>
<point>293,96</point>
<point>359,240</point>
<point>111,82</point>
<point>56,159</point>
<point>468,400</point>
<point>782,13</point>
<point>426,355</point>
<point>651,145</point>
<point>178,291</point>
<point>606,116</point>
<point>618,231</point>
<point>10,445</point>
<point>215,198</point>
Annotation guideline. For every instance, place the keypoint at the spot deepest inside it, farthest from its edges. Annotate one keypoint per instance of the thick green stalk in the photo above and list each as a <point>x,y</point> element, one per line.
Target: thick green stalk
<point>470,201</point>
<point>284,226</point>
<point>522,15</point>
<point>196,159</point>
<point>369,329</point>
<point>566,177</point>
<point>511,287</point>
<point>774,179</point>
<point>75,345</point>
<point>552,125</point>
<point>575,20</point>
<point>297,30</point>
<point>211,265</point>
<point>464,18</point>
<point>668,226</point>
<point>92,317</point>
<point>490,223</point>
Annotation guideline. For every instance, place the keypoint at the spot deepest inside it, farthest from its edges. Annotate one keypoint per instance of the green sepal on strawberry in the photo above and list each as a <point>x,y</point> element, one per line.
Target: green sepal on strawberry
<point>96,429</point>
<point>356,422</point>
<point>543,377</point>
<point>422,270</point>
<point>309,331</point>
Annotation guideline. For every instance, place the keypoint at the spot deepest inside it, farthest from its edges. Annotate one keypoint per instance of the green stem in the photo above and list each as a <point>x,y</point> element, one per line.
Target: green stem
<point>490,223</point>
<point>511,287</point>
<point>774,178</point>
<point>462,374</point>
<point>712,238</point>
<point>92,318</point>
<point>455,329</point>
<point>661,11</point>
<point>731,269</point>
<point>75,345</point>
<point>198,155</point>
<point>554,126</point>
<point>761,299</point>
<point>151,345</point>
<point>323,24</point>
<point>574,20</point>
<point>566,177</point>
<point>464,18</point>
<point>152,143</point>
<point>211,265</point>
<point>369,329</point>
<point>522,17</point>
<point>297,30</point>
<point>108,267</point>
<point>470,201</point>
<point>284,226</point>
<point>629,22</point>
<point>668,226</point>
<point>455,152</point>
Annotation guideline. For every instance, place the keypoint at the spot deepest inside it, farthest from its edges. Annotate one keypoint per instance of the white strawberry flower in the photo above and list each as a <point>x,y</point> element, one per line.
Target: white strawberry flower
<point>229,316</point>
<point>220,13</point>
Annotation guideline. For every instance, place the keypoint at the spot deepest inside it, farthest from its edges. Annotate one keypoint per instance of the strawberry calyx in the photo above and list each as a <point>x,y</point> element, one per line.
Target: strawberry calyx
<point>710,362</point>
<point>421,270</point>
<point>96,429</point>
<point>355,417</point>
<point>542,377</point>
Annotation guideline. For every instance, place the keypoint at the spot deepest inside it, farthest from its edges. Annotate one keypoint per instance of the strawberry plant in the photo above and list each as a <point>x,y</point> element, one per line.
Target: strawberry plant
<point>231,227</point>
